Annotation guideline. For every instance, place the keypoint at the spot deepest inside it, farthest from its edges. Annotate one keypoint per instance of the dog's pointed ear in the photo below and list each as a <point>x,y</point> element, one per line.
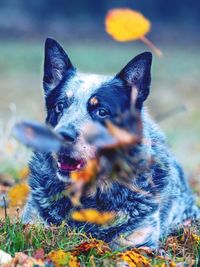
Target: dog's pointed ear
<point>137,74</point>
<point>56,64</point>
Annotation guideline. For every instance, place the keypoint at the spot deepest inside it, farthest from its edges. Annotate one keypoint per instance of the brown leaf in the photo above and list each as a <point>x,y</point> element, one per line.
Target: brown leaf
<point>39,254</point>
<point>60,258</point>
<point>98,245</point>
<point>21,259</point>
<point>123,137</point>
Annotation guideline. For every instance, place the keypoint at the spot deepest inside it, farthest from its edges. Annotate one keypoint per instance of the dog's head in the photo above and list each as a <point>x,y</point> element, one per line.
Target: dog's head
<point>73,100</point>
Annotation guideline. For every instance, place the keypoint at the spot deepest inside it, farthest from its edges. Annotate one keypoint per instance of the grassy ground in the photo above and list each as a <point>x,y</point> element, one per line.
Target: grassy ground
<point>182,249</point>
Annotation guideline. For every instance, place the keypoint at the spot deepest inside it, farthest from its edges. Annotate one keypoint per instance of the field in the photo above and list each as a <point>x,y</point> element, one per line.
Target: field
<point>174,103</point>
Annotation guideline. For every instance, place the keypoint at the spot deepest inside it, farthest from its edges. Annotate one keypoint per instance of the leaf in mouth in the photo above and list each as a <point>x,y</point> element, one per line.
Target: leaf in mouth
<point>87,173</point>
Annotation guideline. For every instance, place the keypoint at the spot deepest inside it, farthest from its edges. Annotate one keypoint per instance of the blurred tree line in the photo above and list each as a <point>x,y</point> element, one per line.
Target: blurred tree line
<point>22,16</point>
<point>158,9</point>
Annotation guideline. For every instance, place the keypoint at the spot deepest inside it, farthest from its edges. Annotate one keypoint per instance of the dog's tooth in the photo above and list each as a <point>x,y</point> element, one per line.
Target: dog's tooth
<point>79,166</point>
<point>59,164</point>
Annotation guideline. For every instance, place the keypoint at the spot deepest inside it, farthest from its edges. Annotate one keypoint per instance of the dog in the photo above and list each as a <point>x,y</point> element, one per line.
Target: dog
<point>74,99</point>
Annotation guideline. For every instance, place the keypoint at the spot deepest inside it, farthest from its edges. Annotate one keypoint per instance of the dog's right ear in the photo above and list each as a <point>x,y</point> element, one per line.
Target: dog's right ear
<point>56,65</point>
<point>137,73</point>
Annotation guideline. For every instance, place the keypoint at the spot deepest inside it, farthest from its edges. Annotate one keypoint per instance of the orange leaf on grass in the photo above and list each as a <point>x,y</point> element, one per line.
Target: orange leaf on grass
<point>39,254</point>
<point>60,258</point>
<point>124,24</point>
<point>93,216</point>
<point>22,259</point>
<point>134,259</point>
<point>18,194</point>
<point>98,245</point>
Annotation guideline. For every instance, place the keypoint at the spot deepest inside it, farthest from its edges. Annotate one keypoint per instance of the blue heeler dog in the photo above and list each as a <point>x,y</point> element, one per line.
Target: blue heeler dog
<point>74,99</point>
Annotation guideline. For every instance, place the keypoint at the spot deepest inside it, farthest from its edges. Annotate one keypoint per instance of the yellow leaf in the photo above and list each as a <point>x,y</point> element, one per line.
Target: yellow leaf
<point>18,194</point>
<point>61,258</point>
<point>125,24</point>
<point>93,216</point>
<point>134,259</point>
<point>196,238</point>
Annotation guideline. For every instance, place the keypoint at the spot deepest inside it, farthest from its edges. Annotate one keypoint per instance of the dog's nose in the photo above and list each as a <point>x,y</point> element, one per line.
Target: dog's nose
<point>68,133</point>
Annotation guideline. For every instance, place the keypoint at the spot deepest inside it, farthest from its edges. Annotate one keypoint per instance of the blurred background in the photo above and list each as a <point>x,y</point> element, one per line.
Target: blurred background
<point>79,27</point>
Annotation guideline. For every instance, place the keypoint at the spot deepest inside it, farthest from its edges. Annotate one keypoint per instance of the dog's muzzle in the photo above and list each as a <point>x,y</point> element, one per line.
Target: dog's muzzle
<point>67,163</point>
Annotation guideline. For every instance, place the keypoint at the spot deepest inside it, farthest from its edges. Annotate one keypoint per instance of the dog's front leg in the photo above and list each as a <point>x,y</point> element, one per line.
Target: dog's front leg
<point>147,234</point>
<point>30,214</point>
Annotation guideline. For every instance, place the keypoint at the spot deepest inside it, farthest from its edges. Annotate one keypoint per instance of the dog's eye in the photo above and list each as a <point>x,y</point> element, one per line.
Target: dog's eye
<point>59,107</point>
<point>102,113</point>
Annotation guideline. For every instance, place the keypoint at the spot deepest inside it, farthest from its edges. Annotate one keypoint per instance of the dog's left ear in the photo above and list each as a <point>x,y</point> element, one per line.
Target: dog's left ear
<point>137,74</point>
<point>56,65</point>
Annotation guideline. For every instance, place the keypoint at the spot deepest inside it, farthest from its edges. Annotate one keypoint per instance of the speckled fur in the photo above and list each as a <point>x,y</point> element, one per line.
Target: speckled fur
<point>141,219</point>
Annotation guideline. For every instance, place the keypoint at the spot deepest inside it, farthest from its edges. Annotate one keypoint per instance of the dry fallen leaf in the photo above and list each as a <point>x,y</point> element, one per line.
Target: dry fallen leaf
<point>18,194</point>
<point>93,216</point>
<point>60,258</point>
<point>39,254</point>
<point>21,259</point>
<point>134,259</point>
<point>98,245</point>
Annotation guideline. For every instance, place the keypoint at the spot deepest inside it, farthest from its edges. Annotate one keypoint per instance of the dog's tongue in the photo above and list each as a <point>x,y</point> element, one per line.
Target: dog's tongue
<point>69,164</point>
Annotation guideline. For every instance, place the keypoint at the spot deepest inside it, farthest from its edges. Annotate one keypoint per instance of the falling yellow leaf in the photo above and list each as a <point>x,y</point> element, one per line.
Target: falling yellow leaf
<point>93,216</point>
<point>60,258</point>
<point>18,194</point>
<point>124,24</point>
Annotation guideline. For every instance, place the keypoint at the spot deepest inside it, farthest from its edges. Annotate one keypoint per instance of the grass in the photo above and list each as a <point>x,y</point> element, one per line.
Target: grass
<point>184,247</point>
<point>15,237</point>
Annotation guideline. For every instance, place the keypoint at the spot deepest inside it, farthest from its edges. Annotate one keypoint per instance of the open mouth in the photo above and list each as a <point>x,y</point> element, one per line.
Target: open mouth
<point>67,164</point>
